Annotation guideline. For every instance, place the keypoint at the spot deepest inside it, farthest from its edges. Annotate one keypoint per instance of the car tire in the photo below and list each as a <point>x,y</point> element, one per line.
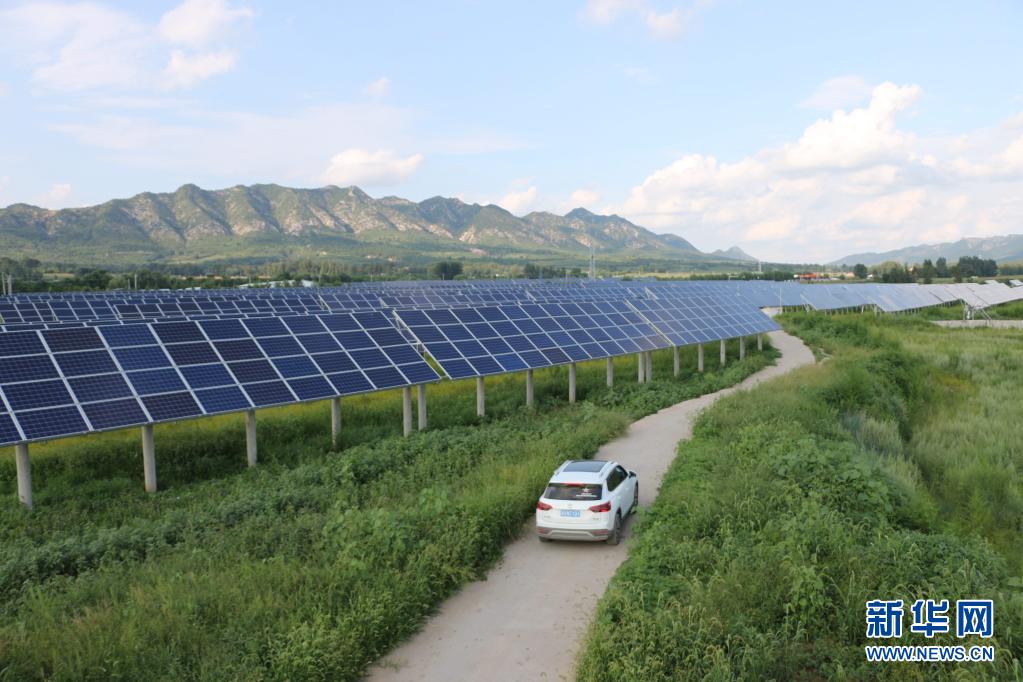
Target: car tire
<point>635,501</point>
<point>616,534</point>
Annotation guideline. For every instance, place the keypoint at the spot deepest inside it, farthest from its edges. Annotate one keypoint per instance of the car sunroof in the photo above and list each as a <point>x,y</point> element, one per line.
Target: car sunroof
<point>590,466</point>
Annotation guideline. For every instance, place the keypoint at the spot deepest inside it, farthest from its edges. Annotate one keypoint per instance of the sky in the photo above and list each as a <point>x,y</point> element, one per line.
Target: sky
<point>800,131</point>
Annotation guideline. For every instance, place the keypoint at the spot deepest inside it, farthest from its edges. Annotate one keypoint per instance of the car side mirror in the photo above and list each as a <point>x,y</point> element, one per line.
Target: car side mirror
<point>632,474</point>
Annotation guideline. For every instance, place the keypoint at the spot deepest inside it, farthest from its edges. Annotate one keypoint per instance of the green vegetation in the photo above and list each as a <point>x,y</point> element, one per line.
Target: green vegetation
<point>250,226</point>
<point>446,269</point>
<point>309,566</point>
<point>1005,311</point>
<point>890,471</point>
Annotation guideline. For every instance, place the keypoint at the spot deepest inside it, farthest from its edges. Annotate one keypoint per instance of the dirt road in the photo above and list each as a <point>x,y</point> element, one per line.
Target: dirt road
<point>526,620</point>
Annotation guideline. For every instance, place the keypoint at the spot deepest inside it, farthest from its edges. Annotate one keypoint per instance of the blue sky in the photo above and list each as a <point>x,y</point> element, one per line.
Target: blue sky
<point>797,130</point>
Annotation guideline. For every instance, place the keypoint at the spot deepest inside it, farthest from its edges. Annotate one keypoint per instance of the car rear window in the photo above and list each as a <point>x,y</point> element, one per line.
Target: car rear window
<point>573,491</point>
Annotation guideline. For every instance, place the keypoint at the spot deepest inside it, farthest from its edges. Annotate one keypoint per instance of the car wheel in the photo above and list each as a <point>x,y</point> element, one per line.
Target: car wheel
<point>635,501</point>
<point>616,534</point>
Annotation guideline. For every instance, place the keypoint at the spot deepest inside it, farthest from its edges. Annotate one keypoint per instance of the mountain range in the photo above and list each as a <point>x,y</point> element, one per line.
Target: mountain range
<point>1004,249</point>
<point>264,222</point>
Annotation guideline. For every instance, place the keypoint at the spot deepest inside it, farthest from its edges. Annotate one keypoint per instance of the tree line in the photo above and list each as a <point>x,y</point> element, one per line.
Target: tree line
<point>926,272</point>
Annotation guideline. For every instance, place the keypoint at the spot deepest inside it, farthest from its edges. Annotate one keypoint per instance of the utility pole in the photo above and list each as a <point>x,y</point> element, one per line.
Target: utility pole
<point>593,264</point>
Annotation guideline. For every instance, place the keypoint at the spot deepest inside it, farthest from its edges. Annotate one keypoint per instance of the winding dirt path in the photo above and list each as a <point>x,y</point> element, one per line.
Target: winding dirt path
<point>527,619</point>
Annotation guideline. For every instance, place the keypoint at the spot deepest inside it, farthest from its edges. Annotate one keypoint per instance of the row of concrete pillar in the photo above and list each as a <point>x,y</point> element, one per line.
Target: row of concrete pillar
<point>644,364</point>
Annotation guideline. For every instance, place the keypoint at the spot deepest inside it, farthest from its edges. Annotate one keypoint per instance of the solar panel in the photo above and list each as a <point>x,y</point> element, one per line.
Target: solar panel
<point>65,381</point>
<point>469,342</point>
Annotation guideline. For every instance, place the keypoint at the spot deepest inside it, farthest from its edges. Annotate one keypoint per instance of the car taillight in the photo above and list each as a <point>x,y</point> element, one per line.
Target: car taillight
<point>543,506</point>
<point>606,507</point>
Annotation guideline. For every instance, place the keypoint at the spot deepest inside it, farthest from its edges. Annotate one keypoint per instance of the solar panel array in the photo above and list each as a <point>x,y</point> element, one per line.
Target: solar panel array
<point>470,342</point>
<point>59,382</point>
<point>81,362</point>
<point>686,320</point>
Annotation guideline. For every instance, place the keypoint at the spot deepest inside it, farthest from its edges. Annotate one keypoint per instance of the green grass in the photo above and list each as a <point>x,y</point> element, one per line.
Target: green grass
<point>1005,311</point>
<point>309,566</point>
<point>890,471</point>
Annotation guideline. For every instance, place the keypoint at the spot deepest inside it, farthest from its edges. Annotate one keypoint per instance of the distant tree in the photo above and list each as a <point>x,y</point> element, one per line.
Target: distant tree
<point>941,268</point>
<point>892,272</point>
<point>860,271</point>
<point>975,266</point>
<point>530,271</point>
<point>927,271</point>
<point>95,279</point>
<point>446,269</point>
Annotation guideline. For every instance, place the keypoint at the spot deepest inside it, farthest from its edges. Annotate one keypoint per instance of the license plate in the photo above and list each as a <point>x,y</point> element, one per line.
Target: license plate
<point>570,512</point>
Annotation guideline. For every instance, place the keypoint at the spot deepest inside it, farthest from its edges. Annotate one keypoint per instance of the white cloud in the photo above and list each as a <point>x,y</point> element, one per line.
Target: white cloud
<point>82,46</point>
<point>606,11</point>
<point>182,138</point>
<point>665,25</point>
<point>518,201</point>
<point>660,24</point>
<point>585,197</point>
<point>200,22</point>
<point>183,70</point>
<point>860,136</point>
<point>4,89</point>
<point>379,88</point>
<point>56,197</point>
<point>1013,155</point>
<point>838,93</point>
<point>75,46</point>
<point>851,182</point>
<point>363,167</point>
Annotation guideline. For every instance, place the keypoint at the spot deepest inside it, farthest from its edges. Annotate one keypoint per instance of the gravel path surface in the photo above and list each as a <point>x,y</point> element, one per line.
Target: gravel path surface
<point>527,619</point>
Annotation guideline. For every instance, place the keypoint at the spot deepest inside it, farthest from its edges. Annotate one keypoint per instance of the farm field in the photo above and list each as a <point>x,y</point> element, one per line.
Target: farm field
<point>312,564</point>
<point>889,471</point>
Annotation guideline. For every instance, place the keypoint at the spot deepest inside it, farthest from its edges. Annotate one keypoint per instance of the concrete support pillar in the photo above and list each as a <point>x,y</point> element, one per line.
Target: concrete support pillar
<point>640,367</point>
<point>649,365</point>
<point>421,405</point>
<point>677,360</point>
<point>742,347</point>
<point>406,410</point>
<point>529,388</point>
<point>24,467</point>
<point>481,397</point>
<point>699,357</point>
<point>335,422</point>
<point>760,342</point>
<point>610,372</point>
<point>722,352</point>
<point>250,437</point>
<point>571,383</point>
<point>149,458</point>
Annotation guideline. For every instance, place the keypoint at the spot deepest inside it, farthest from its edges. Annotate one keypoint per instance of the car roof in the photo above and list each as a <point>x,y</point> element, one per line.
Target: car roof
<point>591,465</point>
<point>582,471</point>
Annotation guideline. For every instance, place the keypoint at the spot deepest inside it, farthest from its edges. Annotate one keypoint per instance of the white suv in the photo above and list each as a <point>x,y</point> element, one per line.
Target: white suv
<point>587,499</point>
